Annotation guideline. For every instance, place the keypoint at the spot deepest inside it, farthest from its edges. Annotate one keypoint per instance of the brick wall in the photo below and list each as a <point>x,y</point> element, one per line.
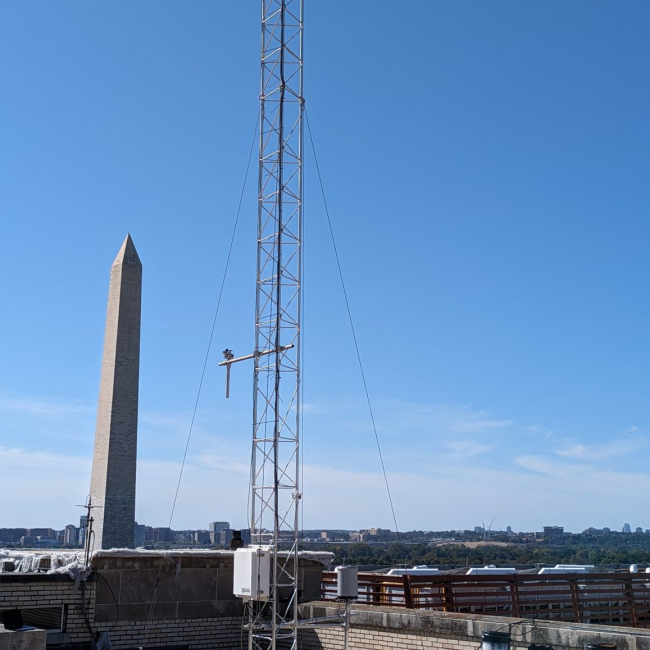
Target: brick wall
<point>48,590</point>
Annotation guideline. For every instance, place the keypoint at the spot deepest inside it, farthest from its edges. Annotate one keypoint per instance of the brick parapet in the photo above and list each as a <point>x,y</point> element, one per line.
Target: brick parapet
<point>196,633</point>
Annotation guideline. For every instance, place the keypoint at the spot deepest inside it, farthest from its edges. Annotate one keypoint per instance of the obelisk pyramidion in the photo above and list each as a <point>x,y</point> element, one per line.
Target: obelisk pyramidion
<point>112,485</point>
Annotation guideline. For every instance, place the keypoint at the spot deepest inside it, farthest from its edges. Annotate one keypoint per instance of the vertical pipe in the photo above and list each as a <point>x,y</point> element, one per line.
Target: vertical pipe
<point>346,624</point>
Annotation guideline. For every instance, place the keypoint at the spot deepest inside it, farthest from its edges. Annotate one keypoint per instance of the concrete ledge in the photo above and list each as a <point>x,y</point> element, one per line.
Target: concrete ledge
<point>524,631</point>
<point>22,639</point>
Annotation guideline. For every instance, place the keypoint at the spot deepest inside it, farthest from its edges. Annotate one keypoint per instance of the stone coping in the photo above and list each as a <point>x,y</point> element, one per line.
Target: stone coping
<point>321,557</point>
<point>433,623</point>
<point>195,552</point>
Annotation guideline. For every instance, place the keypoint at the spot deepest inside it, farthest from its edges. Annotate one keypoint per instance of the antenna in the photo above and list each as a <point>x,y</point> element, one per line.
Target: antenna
<point>275,494</point>
<point>88,529</point>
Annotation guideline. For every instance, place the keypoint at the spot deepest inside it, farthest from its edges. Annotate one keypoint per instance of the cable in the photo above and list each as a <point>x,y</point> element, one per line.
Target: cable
<point>354,334</point>
<point>84,613</point>
<point>205,365</point>
<point>117,605</point>
<point>214,323</point>
<point>534,629</point>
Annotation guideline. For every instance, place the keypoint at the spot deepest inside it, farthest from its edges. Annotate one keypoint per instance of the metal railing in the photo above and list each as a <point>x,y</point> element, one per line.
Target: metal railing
<point>602,598</point>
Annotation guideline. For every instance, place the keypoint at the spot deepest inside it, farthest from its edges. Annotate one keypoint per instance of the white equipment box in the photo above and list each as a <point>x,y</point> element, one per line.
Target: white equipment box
<point>252,574</point>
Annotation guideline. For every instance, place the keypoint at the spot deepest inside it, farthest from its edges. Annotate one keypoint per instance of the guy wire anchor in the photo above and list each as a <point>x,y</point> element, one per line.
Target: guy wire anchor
<point>229,358</point>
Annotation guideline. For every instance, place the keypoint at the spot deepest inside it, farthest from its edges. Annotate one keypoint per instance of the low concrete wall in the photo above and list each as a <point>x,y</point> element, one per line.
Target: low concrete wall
<point>196,585</point>
<point>188,587</point>
<point>392,627</point>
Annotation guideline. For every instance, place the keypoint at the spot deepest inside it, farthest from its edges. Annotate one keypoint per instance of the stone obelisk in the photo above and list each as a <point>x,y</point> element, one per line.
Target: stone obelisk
<point>112,485</point>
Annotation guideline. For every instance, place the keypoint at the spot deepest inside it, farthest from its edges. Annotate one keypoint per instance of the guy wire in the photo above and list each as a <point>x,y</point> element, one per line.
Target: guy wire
<point>354,334</point>
<point>205,365</point>
<point>356,347</point>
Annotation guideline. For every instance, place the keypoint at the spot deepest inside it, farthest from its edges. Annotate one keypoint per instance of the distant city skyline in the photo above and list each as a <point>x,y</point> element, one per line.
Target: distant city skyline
<point>208,528</point>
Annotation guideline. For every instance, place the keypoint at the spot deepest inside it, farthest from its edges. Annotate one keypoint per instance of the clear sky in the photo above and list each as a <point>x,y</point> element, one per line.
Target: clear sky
<point>486,165</point>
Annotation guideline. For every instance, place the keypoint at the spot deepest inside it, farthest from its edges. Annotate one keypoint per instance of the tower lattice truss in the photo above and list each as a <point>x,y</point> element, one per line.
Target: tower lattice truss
<point>276,406</point>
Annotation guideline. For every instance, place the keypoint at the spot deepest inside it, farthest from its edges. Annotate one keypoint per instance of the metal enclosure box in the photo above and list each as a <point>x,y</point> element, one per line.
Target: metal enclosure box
<point>252,574</point>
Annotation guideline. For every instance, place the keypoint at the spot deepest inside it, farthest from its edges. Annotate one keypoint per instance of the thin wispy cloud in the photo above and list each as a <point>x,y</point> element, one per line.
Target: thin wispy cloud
<point>468,448</point>
<point>440,418</point>
<point>44,408</point>
<point>478,422</point>
<point>603,451</point>
<point>438,458</point>
<point>224,463</point>
<point>17,459</point>
<point>584,482</point>
<point>540,430</point>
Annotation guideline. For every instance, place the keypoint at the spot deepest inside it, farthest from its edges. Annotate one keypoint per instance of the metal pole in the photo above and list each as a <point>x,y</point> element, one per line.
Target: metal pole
<point>346,624</point>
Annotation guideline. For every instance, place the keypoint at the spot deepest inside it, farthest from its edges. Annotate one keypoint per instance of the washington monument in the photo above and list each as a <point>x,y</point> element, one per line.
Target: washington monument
<point>112,484</point>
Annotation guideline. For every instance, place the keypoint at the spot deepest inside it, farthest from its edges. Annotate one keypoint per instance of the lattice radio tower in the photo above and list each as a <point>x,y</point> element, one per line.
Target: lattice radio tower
<point>275,493</point>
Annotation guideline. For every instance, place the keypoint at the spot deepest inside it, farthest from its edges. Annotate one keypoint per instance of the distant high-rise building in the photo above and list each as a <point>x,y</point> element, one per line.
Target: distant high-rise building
<point>215,528</point>
<point>375,534</point>
<point>478,529</point>
<point>163,535</point>
<point>593,531</point>
<point>201,537</point>
<point>224,536</point>
<point>626,528</point>
<point>553,531</point>
<point>638,529</point>
<point>508,529</point>
<point>139,534</point>
<point>71,535</point>
<point>83,522</point>
<point>606,530</point>
<point>40,532</point>
<point>12,535</point>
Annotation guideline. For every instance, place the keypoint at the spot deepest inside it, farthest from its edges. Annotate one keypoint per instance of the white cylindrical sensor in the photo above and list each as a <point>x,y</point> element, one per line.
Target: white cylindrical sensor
<point>347,582</point>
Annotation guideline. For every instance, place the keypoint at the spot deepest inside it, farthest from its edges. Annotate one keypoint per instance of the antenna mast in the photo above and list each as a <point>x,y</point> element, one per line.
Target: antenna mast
<point>275,494</point>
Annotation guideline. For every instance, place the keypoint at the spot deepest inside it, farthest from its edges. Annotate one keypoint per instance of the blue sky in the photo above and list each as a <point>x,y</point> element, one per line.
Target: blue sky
<point>486,170</point>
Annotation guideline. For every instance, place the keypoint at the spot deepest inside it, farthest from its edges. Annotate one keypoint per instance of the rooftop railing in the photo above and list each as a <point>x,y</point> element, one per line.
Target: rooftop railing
<point>602,598</point>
